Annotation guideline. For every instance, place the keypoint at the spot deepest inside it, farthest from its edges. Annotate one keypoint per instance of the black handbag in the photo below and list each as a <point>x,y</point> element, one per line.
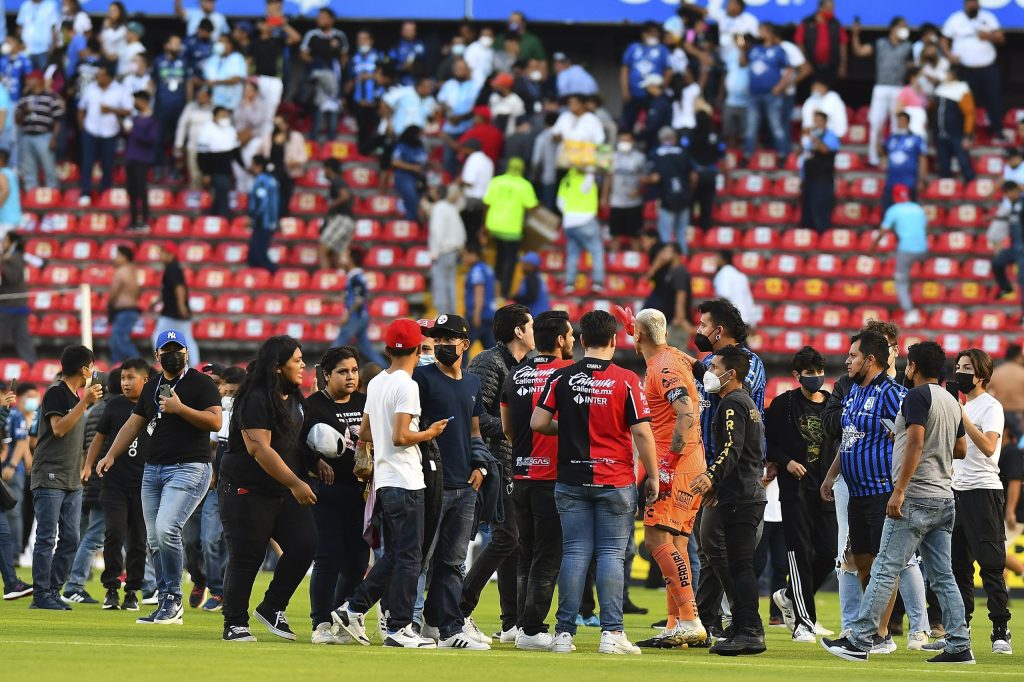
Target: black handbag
<point>7,499</point>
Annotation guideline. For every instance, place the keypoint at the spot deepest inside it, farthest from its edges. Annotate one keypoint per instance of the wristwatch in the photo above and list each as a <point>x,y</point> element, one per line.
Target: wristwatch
<point>483,471</point>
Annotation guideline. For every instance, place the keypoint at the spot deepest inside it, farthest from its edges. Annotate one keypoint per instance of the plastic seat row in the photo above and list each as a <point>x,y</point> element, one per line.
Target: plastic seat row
<point>838,343</point>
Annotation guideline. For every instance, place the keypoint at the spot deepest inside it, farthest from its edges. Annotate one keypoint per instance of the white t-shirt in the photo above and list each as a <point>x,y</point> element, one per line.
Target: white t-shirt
<point>976,471</point>
<point>96,122</point>
<point>731,284</point>
<point>744,23</point>
<point>584,128</point>
<point>796,59</point>
<point>832,104</point>
<point>476,174</point>
<point>684,108</point>
<point>963,31</point>
<point>388,394</point>
<point>773,510</point>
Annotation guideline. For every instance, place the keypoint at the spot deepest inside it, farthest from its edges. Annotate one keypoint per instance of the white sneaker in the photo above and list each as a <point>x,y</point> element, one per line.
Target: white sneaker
<point>84,200</point>
<point>786,608</point>
<point>803,635</point>
<point>323,634</point>
<point>351,622</point>
<point>822,631</point>
<point>430,632</point>
<point>407,638</point>
<point>616,643</point>
<point>509,636</point>
<point>883,646</point>
<point>1001,645</point>
<point>461,640</point>
<point>382,622</point>
<point>916,641</point>
<point>562,643</point>
<point>690,632</point>
<point>542,641</point>
<point>470,629</point>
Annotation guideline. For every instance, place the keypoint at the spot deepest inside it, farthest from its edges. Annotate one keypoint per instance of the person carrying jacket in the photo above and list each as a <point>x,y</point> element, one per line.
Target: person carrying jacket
<point>513,329</point>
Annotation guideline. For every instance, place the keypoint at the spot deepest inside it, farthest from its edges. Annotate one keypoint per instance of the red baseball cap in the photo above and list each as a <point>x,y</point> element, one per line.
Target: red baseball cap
<point>900,193</point>
<point>483,112</point>
<point>403,334</point>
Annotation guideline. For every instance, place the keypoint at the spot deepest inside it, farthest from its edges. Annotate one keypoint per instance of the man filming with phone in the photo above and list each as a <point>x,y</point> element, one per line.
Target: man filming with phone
<point>178,408</point>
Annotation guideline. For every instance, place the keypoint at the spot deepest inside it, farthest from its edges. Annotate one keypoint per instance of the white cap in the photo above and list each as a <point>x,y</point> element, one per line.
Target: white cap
<point>652,79</point>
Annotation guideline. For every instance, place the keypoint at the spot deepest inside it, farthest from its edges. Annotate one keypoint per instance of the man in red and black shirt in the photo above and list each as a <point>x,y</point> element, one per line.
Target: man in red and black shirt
<point>601,409</point>
<point>535,464</point>
<point>825,42</point>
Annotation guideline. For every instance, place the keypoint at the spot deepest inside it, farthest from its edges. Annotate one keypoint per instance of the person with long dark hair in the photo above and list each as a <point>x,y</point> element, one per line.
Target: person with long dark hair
<point>263,492</point>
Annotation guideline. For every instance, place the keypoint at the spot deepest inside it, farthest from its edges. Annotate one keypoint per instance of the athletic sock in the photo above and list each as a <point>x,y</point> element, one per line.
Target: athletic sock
<point>675,567</point>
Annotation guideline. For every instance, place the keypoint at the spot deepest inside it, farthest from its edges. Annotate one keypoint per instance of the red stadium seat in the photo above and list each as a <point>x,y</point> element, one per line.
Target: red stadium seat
<point>823,265</point>
<point>630,262</point>
<point>857,134</point>
<point>380,205</point>
<point>861,315</point>
<point>307,203</point>
<point>952,243</point>
<point>59,325</point>
<point>210,227</point>
<point>96,224</point>
<point>831,317</point>
<point>361,177</point>
<point>751,262</point>
<point>272,304</point>
<point>214,278</point>
<point>383,257</point>
<point>791,315</point>
<point>849,291</point>
<point>252,279</point>
<point>58,223</point>
<point>253,329</point>
<point>935,214</point>
<point>766,238</point>
<point>195,252</point>
<point>981,189</point>
<point>315,305</point>
<point>402,231</point>
<point>977,268</point>
<point>763,160</point>
<point>774,213</point>
<point>367,229</point>
<point>44,371</point>
<point>11,368</point>
<point>234,304</point>
<point>770,289</point>
<point>800,239</point>
<point>943,189</point>
<point>44,248</point>
<point>993,344</point>
<point>313,177</point>
<point>992,320</point>
<point>172,226</point>
<point>214,329</point>
<point>848,161</point>
<point>853,214</point>
<point>722,238</point>
<point>789,342</point>
<point>304,255</point>
<point>297,329</point>
<point>375,281</point>
<point>925,293</point>
<point>41,199</point>
<point>838,240</point>
<point>968,293</point>
<point>407,283</point>
<point>340,150</point>
<point>810,289</point>
<point>940,268</point>
<point>45,301</point>
<point>56,275</point>
<point>732,212</point>
<point>291,279</point>
<point>418,258</point>
<point>238,201</point>
<point>990,164</point>
<point>952,343</point>
<point>114,199</point>
<point>291,228</point>
<point>200,302</point>
<point>751,185</point>
<point>832,343</point>
<point>193,200</point>
<point>964,215</point>
<point>787,187</point>
<point>389,308</point>
<point>784,265</point>
<point>868,187</point>
<point>79,250</point>
<point>703,263</point>
<point>328,280</point>
<point>865,267</point>
<point>231,252</point>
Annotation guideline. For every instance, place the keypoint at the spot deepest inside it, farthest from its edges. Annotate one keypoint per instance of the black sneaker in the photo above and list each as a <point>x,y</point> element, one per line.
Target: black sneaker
<point>45,601</point>
<point>843,648</point>
<point>965,657</point>
<point>660,625</point>
<point>131,601</point>
<point>238,633</point>
<point>77,597</point>
<point>739,645</point>
<point>17,590</point>
<point>112,602</point>
<point>150,598</point>
<point>197,596</point>
<point>151,618</point>
<point>275,621</point>
<point>632,609</point>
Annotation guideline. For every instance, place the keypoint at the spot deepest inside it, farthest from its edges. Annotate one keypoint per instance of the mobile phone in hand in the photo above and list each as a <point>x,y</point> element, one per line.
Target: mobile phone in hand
<point>165,391</point>
<point>890,425</point>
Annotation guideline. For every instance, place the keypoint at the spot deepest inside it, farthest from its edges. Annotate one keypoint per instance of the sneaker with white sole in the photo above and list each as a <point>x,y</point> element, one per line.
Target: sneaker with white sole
<point>324,634</point>
<point>17,590</point>
<point>616,643</point>
<point>916,641</point>
<point>430,632</point>
<point>562,643</point>
<point>150,598</point>
<point>690,632</point>
<point>461,640</point>
<point>668,638</point>
<point>406,638</point>
<point>238,633</point>
<point>965,657</point>
<point>803,635</point>
<point>937,645</point>
<point>843,648</point>
<point>508,636</point>
<point>785,605</point>
<point>473,631</point>
<point>880,645</point>
<point>351,622</point>
<point>822,631</point>
<point>274,621</point>
<point>1001,642</point>
<point>382,622</point>
<point>171,611</point>
<point>541,641</point>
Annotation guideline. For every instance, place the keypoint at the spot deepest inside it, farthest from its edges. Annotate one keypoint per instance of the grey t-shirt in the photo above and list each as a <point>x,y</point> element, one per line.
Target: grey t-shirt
<point>627,179</point>
<point>891,61</point>
<point>932,407</point>
<point>57,462</point>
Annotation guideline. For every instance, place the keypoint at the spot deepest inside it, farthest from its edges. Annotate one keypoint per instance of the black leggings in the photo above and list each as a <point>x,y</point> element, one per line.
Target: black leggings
<point>138,192</point>
<point>341,553</point>
<point>125,529</point>
<point>251,521</point>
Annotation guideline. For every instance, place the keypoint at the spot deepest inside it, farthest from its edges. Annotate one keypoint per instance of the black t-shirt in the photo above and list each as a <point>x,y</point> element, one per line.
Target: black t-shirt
<point>172,439</point>
<point>1011,468</point>
<point>442,397</point>
<point>173,276</point>
<point>338,185</point>
<point>347,416</point>
<point>267,55</point>
<point>673,165</point>
<point>127,469</point>
<point>239,467</point>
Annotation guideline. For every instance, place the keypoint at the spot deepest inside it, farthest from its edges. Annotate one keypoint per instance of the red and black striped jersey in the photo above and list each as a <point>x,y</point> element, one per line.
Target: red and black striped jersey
<point>596,402</point>
<point>534,455</point>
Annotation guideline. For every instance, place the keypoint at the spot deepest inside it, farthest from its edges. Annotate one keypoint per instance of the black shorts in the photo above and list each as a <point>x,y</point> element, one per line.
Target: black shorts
<point>866,517</point>
<point>626,222</point>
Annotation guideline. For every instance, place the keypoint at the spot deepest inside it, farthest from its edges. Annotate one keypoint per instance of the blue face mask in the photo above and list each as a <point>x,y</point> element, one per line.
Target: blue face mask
<point>30,405</point>
<point>426,360</point>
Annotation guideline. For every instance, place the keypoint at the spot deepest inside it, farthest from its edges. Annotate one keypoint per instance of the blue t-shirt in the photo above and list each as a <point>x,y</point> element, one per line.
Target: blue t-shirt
<point>409,154</point>
<point>865,451</point>
<point>17,431</point>
<point>442,397</point>
<point>356,288</point>
<point>910,223</point>
<point>904,151</point>
<point>14,69</point>
<point>170,74</point>
<point>196,53</point>
<point>366,91</point>
<point>766,65</point>
<point>480,273</point>
<point>737,82</point>
<point>406,53</point>
<point>642,61</point>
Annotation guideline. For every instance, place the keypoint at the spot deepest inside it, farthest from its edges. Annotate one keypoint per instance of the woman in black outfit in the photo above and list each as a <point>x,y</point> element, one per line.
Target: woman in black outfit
<point>329,434</point>
<point>263,494</point>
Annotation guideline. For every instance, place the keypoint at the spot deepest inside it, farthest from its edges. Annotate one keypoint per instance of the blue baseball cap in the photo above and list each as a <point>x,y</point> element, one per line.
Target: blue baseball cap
<point>170,336</point>
<point>531,257</point>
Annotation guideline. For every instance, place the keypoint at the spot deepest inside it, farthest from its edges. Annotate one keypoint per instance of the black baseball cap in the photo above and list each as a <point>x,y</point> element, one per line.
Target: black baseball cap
<point>214,368</point>
<point>448,325</point>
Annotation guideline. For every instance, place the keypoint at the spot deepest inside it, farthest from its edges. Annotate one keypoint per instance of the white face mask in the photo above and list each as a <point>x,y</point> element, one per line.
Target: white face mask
<point>226,402</point>
<point>218,49</point>
<point>624,147</point>
<point>902,33</point>
<point>5,49</point>
<point>224,122</point>
<point>651,41</point>
<point>486,41</point>
<point>458,49</point>
<point>426,360</point>
<point>713,382</point>
<point>365,48</point>
<point>536,76</point>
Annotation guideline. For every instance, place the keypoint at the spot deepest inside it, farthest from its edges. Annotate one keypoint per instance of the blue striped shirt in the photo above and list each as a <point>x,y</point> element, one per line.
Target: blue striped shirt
<point>754,383</point>
<point>366,91</point>
<point>865,452</point>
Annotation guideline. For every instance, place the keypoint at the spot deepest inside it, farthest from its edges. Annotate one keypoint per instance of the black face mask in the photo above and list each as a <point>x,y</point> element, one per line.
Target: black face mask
<point>812,384</point>
<point>965,382</point>
<point>861,375</point>
<point>703,342</point>
<point>971,13</point>
<point>173,361</point>
<point>446,354</point>
<point>905,381</point>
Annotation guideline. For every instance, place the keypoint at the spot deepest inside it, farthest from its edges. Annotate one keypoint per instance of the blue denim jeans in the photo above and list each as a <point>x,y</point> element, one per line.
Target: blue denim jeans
<point>14,516</point>
<point>673,227</point>
<point>121,345</point>
<point>7,573</point>
<point>448,557</point>
<point>170,493</point>
<point>204,532</point>
<point>356,328</point>
<point>596,523</point>
<point>405,185</point>
<point>584,238</point>
<point>768,106</point>
<point>97,148</point>
<point>91,542</point>
<point>927,524</point>
<point>57,511</point>
<point>35,153</point>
